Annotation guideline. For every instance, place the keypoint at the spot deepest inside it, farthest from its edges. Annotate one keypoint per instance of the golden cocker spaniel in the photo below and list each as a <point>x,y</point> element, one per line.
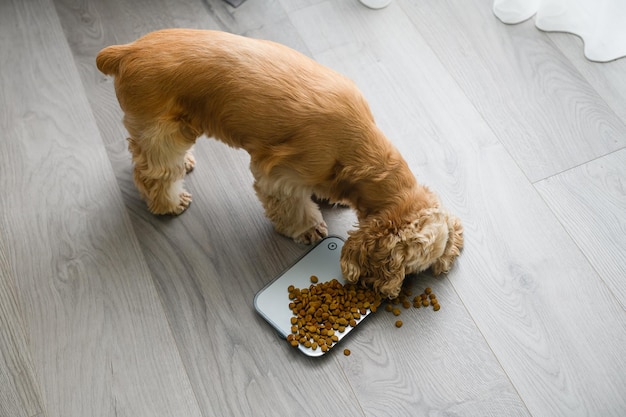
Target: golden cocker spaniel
<point>308,131</point>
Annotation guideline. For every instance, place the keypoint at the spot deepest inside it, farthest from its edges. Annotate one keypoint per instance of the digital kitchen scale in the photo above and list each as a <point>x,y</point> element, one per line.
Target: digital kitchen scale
<point>272,302</point>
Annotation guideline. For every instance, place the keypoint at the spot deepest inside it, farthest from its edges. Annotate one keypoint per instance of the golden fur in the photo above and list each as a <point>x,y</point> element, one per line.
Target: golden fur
<point>308,131</point>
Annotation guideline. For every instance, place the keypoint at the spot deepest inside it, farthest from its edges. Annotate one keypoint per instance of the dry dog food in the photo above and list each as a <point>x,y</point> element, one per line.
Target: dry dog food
<point>325,309</point>
<point>425,299</point>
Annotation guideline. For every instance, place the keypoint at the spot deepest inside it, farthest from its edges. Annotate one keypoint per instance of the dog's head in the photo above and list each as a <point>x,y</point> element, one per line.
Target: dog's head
<point>381,252</point>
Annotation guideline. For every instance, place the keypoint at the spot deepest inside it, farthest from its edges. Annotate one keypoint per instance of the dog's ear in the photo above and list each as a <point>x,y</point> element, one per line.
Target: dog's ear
<point>374,255</point>
<point>453,246</point>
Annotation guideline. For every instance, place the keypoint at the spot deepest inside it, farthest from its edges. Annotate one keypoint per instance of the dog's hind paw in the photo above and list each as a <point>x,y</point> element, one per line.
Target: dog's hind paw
<point>190,162</point>
<point>314,234</point>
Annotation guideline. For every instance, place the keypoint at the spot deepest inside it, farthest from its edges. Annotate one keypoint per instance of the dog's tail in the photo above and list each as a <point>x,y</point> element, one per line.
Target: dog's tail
<point>109,59</point>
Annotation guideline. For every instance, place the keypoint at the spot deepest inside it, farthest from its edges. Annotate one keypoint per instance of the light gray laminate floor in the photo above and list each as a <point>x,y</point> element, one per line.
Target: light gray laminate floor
<point>107,310</point>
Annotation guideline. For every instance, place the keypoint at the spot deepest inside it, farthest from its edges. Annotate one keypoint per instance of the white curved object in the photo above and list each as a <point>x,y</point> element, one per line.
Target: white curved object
<point>375,4</point>
<point>600,23</point>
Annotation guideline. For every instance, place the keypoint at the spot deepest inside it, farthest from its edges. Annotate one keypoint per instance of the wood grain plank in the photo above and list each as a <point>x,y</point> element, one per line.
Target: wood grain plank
<point>100,342</point>
<point>530,294</point>
<point>606,78</point>
<point>590,202</point>
<point>521,277</point>
<point>210,262</point>
<point>293,5</point>
<point>19,390</point>
<point>542,109</point>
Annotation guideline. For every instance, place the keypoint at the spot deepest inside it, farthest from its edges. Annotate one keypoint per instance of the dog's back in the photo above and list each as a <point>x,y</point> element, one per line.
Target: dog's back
<point>254,94</point>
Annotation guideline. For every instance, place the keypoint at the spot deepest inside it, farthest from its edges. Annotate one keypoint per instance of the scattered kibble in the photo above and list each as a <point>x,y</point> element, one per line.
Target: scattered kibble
<point>346,352</point>
<point>425,299</point>
<point>314,279</point>
<point>399,323</point>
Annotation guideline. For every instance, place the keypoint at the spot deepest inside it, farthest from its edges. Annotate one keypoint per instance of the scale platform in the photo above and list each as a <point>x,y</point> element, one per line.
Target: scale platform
<point>272,302</point>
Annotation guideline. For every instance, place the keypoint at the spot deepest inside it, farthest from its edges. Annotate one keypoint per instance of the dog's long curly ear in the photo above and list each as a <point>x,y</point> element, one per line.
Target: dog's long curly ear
<point>374,256</point>
<point>453,246</point>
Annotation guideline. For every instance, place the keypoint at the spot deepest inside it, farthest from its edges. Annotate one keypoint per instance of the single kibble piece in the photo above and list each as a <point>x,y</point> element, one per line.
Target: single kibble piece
<point>428,290</point>
<point>396,311</point>
<point>399,323</point>
<point>389,307</point>
<point>314,279</point>
<point>436,307</point>
<point>346,352</point>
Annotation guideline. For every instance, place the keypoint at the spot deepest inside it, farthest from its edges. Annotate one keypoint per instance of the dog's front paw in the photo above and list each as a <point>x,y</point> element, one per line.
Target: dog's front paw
<point>314,234</point>
<point>388,289</point>
<point>184,200</point>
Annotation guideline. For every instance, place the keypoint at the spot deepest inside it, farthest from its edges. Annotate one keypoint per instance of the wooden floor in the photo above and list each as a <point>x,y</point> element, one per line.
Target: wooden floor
<point>107,310</point>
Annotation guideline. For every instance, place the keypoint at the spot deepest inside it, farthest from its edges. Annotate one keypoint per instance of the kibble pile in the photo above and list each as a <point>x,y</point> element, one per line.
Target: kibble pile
<point>326,309</point>
<point>323,310</point>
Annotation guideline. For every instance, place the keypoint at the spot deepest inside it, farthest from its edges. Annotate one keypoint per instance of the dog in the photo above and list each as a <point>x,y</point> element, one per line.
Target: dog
<point>308,130</point>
